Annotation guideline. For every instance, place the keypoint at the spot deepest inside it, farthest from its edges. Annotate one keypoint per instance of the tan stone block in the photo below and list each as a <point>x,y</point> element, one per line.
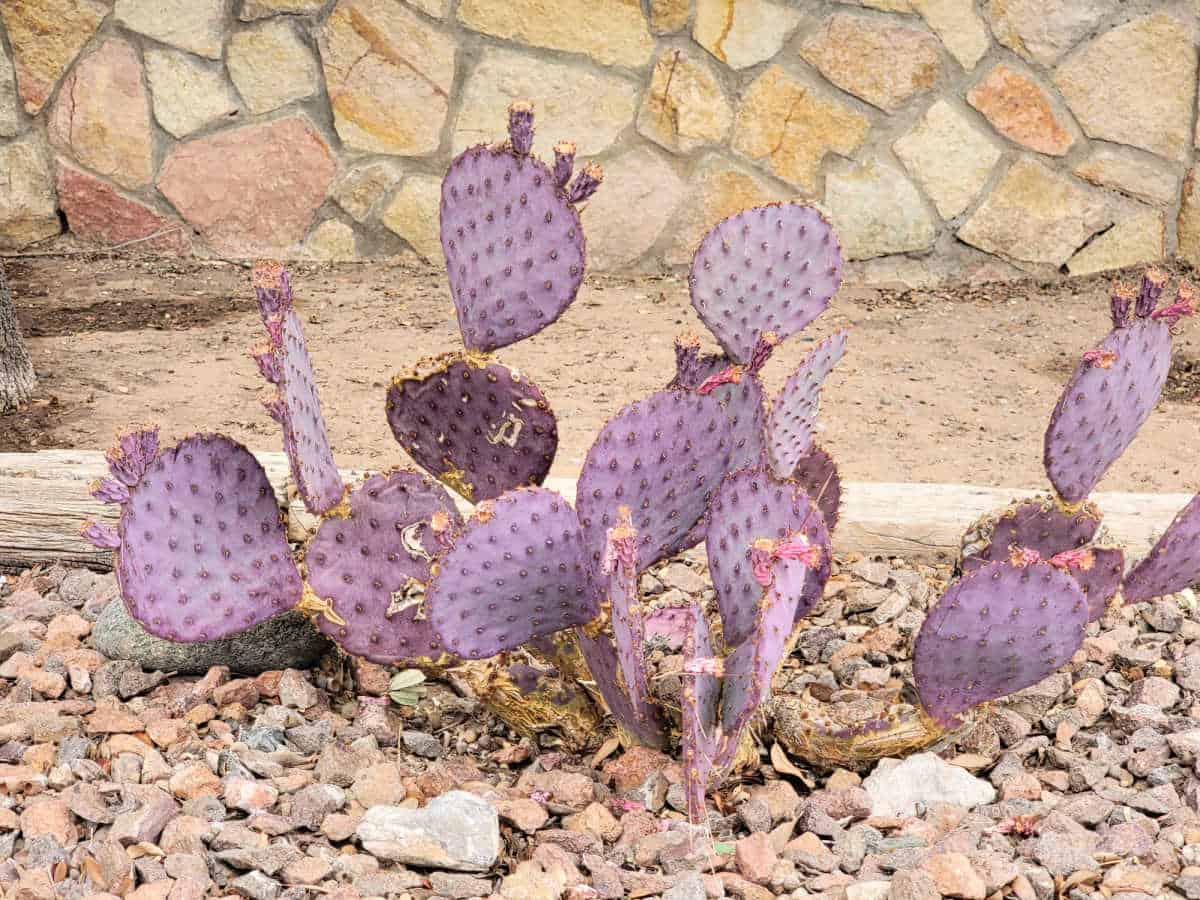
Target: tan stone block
<point>1188,223</point>
<point>1137,237</point>
<point>1020,109</point>
<point>197,26</point>
<point>625,217</point>
<point>876,211</point>
<point>1130,172</point>
<point>187,93</point>
<point>271,66</point>
<point>959,26</point>
<point>413,214</point>
<point>46,36</point>
<point>743,33</point>
<point>949,156</point>
<point>669,16</point>
<point>332,241</point>
<point>1043,30</point>
<point>684,107</point>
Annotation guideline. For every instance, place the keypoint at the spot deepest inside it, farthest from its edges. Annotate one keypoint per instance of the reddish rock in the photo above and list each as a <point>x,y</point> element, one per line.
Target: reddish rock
<point>248,795</point>
<point>195,780</point>
<point>252,190</point>
<point>755,857</point>
<point>630,769</point>
<point>49,818</point>
<point>1020,109</point>
<point>371,678</point>
<point>111,717</point>
<point>527,815</point>
<point>954,876</point>
<point>96,212</point>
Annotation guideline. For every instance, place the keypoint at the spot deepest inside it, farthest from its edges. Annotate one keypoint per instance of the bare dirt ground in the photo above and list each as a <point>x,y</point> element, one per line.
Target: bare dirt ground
<point>947,385</point>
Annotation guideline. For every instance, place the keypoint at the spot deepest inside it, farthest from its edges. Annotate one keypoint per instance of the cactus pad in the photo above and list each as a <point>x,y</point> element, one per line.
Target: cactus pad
<point>628,626</point>
<point>1100,578</point>
<point>601,657</point>
<point>518,570</point>
<point>512,239</point>
<point>996,631</point>
<point>285,363</point>
<point>371,566</point>
<point>1037,524</point>
<point>699,700</point>
<point>817,473</point>
<point>753,504</point>
<point>792,421</point>
<point>662,456</point>
<point>771,268</point>
<point>1173,563</point>
<point>204,553</point>
<point>479,426</point>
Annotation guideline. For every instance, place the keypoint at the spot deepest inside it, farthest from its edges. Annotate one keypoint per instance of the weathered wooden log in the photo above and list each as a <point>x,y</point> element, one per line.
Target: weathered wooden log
<point>44,499</point>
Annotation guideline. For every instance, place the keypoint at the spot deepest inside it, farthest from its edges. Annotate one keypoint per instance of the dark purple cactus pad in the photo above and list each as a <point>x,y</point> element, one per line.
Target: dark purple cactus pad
<point>204,552</point>
<point>771,268</point>
<point>693,368</point>
<point>817,473</point>
<point>372,565</point>
<point>662,457</point>
<point>1101,409</point>
<point>1036,524</point>
<point>1101,581</point>
<point>479,426</point>
<point>994,632</point>
<point>700,697</point>
<point>643,721</point>
<point>517,571</point>
<point>285,363</point>
<point>513,243</point>
<point>1173,563</point>
<point>753,504</point>
<point>792,421</point>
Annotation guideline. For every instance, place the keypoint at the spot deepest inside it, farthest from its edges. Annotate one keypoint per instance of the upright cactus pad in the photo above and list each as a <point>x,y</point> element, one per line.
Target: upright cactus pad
<point>203,550</point>
<point>700,698</point>
<point>518,570</point>
<point>662,457</point>
<point>371,565</point>
<point>771,268</point>
<point>792,421</point>
<point>1173,563</point>
<point>478,426</point>
<point>642,720</point>
<point>996,631</point>
<point>284,362</point>
<point>1112,392</point>
<point>753,504</point>
<point>817,473</point>
<point>620,571</point>
<point>511,235</point>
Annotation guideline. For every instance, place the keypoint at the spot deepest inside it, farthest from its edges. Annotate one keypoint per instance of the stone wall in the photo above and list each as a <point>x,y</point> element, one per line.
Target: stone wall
<point>947,138</point>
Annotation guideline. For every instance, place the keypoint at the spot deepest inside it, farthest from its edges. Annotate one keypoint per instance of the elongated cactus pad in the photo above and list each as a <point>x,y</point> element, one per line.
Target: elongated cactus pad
<point>700,697</point>
<point>996,631</point>
<point>285,363</point>
<point>1173,563</point>
<point>817,473</point>
<point>641,720</point>
<point>512,239</point>
<point>620,572</point>
<point>203,550</point>
<point>752,504</point>
<point>1111,394</point>
<point>478,426</point>
<point>372,563</point>
<point>771,268</point>
<point>662,456</point>
<point>518,570</point>
<point>792,421</point>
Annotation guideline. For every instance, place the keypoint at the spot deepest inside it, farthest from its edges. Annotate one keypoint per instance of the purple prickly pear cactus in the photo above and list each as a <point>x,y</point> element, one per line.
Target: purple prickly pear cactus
<point>511,235</point>
<point>478,426</point>
<point>996,631</point>
<point>1037,524</point>
<point>1173,563</point>
<point>1113,390</point>
<point>817,473</point>
<point>203,552</point>
<point>752,504</point>
<point>662,456</point>
<point>771,268</point>
<point>369,566</point>
<point>700,698</point>
<point>642,721</point>
<point>518,570</point>
<point>620,570</point>
<point>793,417</point>
<point>285,363</point>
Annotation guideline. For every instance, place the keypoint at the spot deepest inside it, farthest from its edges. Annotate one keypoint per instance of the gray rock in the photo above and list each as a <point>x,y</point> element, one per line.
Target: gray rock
<point>687,886</point>
<point>422,744</point>
<point>455,831</point>
<point>458,886</point>
<point>256,886</point>
<point>288,640</point>
<point>897,788</point>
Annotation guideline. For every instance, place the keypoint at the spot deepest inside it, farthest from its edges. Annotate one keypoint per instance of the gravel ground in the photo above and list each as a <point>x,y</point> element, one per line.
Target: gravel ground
<point>161,786</point>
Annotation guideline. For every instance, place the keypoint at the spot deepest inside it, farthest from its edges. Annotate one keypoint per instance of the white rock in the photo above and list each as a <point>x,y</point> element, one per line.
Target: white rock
<point>897,787</point>
<point>455,831</point>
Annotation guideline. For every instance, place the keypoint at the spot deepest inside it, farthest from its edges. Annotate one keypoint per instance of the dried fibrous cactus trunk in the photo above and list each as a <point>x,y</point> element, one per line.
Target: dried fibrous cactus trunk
<point>17,378</point>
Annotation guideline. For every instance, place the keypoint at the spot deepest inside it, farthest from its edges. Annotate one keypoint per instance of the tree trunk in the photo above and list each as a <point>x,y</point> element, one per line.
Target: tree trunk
<point>16,368</point>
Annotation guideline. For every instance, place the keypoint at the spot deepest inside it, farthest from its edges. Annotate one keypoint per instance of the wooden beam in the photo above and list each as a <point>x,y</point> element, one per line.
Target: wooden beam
<point>43,501</point>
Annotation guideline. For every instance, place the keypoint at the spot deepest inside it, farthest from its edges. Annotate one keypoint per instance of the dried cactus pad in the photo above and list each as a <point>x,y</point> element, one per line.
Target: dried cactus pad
<point>662,456</point>
<point>284,361</point>
<point>817,473</point>
<point>700,696</point>
<point>513,244</point>
<point>996,631</point>
<point>1101,409</point>
<point>204,552</point>
<point>1036,524</point>
<point>477,425</point>
<point>771,268</point>
<point>753,504</point>
<point>372,564</point>
<point>518,570</point>
<point>792,421</point>
<point>1173,563</point>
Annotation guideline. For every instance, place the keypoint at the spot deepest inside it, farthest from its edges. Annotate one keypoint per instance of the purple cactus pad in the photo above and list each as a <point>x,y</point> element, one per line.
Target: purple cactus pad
<point>629,633</point>
<point>204,552</point>
<point>1101,580</point>
<point>994,632</point>
<point>136,449</point>
<point>372,564</point>
<point>479,426</point>
<point>1173,563</point>
<point>817,473</point>
<point>602,662</point>
<point>518,570</point>
<point>771,268</point>
<point>700,696</point>
<point>792,421</point>
<point>662,457</point>
<point>285,362</point>
<point>1037,524</point>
